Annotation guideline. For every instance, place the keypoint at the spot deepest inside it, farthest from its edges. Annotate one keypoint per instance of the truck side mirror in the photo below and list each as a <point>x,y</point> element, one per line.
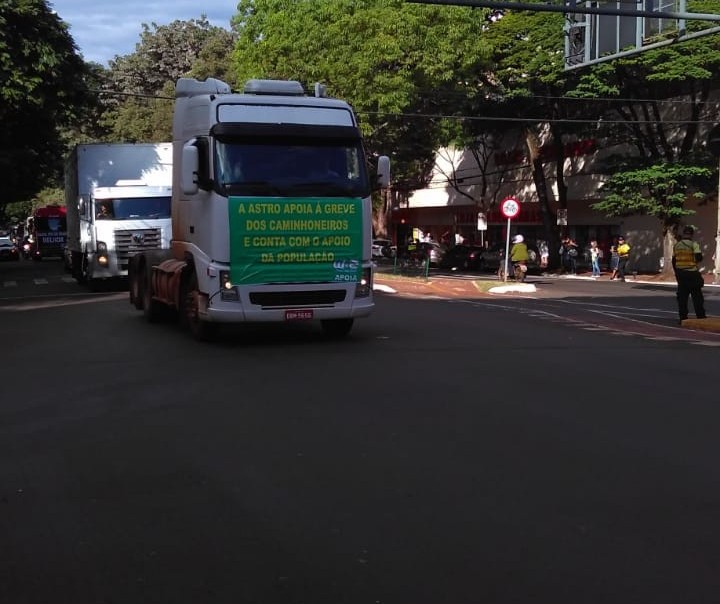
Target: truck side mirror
<point>383,171</point>
<point>189,169</point>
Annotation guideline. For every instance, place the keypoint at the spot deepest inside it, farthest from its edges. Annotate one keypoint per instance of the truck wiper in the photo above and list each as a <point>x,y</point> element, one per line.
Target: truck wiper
<point>328,188</point>
<point>253,186</point>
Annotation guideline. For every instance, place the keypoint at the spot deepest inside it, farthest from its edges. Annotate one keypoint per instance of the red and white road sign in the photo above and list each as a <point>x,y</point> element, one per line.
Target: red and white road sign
<point>510,207</point>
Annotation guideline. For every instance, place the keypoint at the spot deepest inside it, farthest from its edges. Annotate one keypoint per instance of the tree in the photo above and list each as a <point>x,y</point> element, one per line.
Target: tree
<point>657,102</point>
<point>660,191</point>
<point>396,63</point>
<point>42,91</point>
<point>139,89</point>
<point>525,79</point>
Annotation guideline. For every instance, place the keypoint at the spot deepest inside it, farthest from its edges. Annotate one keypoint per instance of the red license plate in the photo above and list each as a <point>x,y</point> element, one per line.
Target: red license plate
<point>298,315</point>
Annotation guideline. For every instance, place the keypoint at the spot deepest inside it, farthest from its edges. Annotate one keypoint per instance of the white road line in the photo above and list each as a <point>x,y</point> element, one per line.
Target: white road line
<point>9,283</point>
<point>40,281</point>
<point>68,279</point>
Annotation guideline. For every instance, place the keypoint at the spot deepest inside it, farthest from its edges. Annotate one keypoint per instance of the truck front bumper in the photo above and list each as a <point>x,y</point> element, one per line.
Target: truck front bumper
<point>274,304</point>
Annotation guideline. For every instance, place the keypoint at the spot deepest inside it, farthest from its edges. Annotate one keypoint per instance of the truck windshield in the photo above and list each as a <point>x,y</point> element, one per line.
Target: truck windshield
<point>287,168</point>
<point>135,207</point>
<point>51,224</point>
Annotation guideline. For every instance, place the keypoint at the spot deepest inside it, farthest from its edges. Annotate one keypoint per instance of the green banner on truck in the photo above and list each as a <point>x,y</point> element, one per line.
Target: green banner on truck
<point>304,240</point>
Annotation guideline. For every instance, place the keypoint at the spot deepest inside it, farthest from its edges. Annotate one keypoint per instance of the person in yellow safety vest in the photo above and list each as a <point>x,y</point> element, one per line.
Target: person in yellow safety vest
<point>519,255</point>
<point>623,250</point>
<point>686,255</point>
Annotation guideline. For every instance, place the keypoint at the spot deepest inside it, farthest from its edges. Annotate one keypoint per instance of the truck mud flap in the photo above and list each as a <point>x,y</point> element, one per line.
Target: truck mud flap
<point>166,278</point>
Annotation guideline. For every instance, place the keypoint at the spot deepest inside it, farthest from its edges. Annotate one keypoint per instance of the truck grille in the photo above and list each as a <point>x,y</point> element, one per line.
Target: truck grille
<point>128,243</point>
<point>298,298</point>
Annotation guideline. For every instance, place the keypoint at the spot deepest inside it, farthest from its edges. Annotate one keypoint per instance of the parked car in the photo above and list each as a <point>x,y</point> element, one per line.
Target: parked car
<point>433,251</point>
<point>8,249</point>
<point>464,257</point>
<point>423,250</point>
<point>382,248</point>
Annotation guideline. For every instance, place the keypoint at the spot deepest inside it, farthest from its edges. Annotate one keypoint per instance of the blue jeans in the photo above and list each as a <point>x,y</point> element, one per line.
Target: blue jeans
<point>596,272</point>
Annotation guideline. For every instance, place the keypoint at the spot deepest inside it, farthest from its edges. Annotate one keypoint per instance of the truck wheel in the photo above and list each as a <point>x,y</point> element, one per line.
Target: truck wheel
<point>135,286</point>
<point>82,271</point>
<point>152,309</point>
<point>336,328</point>
<point>189,314</point>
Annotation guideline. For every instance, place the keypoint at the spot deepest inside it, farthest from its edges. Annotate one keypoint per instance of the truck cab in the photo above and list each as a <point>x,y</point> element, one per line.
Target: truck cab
<point>271,213</point>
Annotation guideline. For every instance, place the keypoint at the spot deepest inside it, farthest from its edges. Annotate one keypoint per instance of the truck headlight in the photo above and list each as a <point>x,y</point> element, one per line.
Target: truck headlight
<point>227,290</point>
<point>102,253</point>
<point>363,288</point>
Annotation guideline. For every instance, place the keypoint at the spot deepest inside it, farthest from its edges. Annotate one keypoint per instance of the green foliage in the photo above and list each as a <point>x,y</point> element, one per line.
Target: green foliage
<point>391,60</point>
<point>660,95</point>
<point>659,190</point>
<point>139,88</point>
<point>42,91</point>
<point>18,211</point>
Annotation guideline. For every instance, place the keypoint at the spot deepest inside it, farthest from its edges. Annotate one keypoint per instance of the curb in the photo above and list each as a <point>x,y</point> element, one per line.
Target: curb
<point>709,324</point>
<point>468,287</point>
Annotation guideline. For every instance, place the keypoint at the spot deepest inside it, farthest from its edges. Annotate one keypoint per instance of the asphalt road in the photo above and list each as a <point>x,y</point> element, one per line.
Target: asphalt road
<point>449,451</point>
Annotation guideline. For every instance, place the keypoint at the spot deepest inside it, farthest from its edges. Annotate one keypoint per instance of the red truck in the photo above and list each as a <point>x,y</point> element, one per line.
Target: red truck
<point>47,232</point>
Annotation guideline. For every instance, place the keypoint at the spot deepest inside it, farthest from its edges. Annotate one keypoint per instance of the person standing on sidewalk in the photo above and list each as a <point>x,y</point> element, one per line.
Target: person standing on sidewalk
<point>623,250</point>
<point>595,255</point>
<point>686,255</point>
<point>614,260</point>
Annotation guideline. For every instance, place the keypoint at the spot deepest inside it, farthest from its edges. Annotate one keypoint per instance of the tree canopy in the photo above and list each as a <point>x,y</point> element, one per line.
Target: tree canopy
<point>396,63</point>
<point>139,87</point>
<point>42,90</point>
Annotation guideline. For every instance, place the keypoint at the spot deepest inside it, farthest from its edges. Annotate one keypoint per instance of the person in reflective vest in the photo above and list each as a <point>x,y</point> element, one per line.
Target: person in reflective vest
<point>686,255</point>
<point>623,250</point>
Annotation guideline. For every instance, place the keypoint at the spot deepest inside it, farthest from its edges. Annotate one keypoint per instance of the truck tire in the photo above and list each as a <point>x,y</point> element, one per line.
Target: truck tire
<point>152,309</point>
<point>189,316</point>
<point>336,328</point>
<point>135,285</point>
<point>82,275</point>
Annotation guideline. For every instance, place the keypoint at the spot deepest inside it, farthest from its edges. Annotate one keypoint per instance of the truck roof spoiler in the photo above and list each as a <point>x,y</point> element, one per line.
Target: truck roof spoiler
<point>275,87</point>
<point>189,87</point>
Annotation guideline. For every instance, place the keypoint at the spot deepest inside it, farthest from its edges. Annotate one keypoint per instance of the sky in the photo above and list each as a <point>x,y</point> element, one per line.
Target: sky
<point>103,29</point>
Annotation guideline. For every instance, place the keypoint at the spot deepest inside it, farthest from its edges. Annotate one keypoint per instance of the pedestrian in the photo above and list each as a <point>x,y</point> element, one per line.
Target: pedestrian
<point>623,251</point>
<point>572,255</point>
<point>568,255</point>
<point>686,255</point>
<point>544,254</point>
<point>614,260</point>
<point>595,255</point>
<point>562,252</point>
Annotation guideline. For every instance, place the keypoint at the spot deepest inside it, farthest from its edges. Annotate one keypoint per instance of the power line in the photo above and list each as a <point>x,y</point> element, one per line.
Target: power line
<point>536,119</point>
<point>481,118</point>
<point>598,99</point>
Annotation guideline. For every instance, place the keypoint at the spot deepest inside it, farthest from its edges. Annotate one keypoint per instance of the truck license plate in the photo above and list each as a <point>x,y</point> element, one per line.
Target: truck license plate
<point>298,315</point>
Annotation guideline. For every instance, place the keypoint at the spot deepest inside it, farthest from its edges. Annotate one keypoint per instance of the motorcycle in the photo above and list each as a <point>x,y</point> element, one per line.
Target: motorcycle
<point>26,248</point>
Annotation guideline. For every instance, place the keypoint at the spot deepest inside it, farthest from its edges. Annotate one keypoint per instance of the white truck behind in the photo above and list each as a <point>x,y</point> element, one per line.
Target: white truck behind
<point>271,212</point>
<point>118,198</point>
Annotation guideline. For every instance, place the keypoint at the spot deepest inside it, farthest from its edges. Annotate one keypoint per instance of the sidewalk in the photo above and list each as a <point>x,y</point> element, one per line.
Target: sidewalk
<point>438,286</point>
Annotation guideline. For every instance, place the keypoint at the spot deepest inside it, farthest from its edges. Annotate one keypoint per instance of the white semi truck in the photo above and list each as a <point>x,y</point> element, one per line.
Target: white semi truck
<point>271,211</point>
<point>118,198</point>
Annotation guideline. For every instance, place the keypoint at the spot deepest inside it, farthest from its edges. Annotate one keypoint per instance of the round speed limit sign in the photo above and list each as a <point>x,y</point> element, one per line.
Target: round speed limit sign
<point>510,207</point>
